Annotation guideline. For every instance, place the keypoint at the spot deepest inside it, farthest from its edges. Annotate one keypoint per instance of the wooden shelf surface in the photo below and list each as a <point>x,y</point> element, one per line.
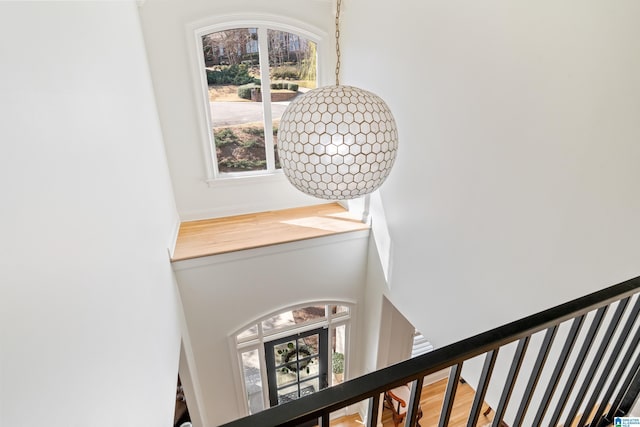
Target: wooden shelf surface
<point>221,235</point>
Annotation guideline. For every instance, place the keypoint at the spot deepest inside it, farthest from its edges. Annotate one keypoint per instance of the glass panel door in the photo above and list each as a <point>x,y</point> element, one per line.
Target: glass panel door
<point>297,365</point>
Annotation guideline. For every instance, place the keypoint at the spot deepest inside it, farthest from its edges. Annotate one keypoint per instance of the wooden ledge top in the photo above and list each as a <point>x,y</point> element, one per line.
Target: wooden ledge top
<point>221,235</point>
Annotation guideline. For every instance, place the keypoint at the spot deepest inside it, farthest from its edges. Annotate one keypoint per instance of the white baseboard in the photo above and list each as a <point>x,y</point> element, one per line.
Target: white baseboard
<point>436,376</point>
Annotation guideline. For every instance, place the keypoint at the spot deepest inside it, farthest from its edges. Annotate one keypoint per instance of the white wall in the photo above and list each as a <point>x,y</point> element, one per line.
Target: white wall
<point>89,332</point>
<point>224,293</point>
<point>396,336</point>
<point>516,182</point>
<point>372,310</point>
<point>165,26</point>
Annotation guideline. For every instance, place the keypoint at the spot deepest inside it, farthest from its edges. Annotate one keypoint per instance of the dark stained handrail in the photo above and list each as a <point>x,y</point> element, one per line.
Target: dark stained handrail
<point>371,385</point>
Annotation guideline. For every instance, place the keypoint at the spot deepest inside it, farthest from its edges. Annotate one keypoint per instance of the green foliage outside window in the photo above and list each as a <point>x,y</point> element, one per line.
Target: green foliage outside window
<point>237,74</point>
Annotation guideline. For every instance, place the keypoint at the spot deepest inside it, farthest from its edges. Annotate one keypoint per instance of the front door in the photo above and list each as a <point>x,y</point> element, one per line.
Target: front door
<point>297,365</point>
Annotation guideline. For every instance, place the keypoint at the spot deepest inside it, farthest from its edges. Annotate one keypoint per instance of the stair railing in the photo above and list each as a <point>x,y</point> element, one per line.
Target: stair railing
<point>602,336</point>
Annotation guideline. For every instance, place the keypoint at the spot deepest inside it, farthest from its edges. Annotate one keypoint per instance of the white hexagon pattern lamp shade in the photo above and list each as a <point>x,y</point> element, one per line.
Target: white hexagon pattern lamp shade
<point>337,142</point>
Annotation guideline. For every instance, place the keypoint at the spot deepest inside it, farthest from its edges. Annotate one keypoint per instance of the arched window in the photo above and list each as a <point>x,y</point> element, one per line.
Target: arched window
<point>293,353</point>
<point>249,72</point>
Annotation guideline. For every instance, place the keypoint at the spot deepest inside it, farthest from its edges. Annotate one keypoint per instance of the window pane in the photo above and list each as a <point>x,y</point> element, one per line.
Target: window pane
<point>309,314</point>
<point>292,70</point>
<point>247,334</point>
<point>308,347</point>
<point>293,392</point>
<point>286,358</point>
<point>338,354</point>
<point>253,380</point>
<point>309,367</point>
<point>288,394</point>
<point>339,310</point>
<point>279,321</point>
<point>309,387</point>
<point>232,67</point>
<point>294,317</point>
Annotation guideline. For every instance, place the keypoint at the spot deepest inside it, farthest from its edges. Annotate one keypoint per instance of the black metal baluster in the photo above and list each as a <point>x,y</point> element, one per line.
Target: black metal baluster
<point>449,395</point>
<point>510,382</point>
<point>631,396</point>
<point>578,364</point>
<point>535,374</point>
<point>616,406</point>
<point>414,402</point>
<point>373,411</point>
<point>576,325</point>
<point>483,385</point>
<point>615,353</point>
<point>595,364</point>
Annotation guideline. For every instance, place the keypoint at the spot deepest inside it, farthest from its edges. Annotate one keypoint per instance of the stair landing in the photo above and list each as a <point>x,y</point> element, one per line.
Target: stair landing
<point>222,235</point>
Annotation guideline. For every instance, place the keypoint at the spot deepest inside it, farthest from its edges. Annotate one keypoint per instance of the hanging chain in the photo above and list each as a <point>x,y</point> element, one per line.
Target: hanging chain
<point>338,2</point>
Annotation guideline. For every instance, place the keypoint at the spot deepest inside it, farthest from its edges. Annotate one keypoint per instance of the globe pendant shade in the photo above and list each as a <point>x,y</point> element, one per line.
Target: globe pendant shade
<point>337,142</point>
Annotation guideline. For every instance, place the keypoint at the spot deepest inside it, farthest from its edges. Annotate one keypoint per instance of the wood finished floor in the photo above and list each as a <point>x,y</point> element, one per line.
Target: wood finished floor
<point>431,403</point>
<point>222,235</point>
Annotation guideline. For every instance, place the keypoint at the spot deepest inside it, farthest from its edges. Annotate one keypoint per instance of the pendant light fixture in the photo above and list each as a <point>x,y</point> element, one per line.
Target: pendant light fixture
<point>337,142</point>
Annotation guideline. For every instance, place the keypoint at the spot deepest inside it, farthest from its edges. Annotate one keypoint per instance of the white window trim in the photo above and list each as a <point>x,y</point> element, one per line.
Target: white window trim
<point>257,343</point>
<point>195,31</point>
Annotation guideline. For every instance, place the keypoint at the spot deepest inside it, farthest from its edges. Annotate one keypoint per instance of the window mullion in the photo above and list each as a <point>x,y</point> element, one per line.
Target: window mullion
<point>263,52</point>
<point>263,366</point>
